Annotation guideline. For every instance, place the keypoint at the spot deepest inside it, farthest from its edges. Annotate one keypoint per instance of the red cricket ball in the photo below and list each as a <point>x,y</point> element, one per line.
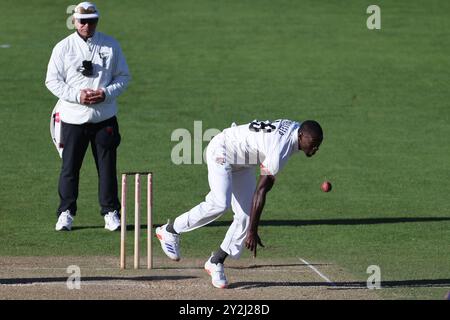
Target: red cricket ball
<point>326,186</point>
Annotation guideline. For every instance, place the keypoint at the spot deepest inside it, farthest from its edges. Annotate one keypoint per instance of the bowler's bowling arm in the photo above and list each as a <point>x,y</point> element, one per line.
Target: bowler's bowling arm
<point>265,183</point>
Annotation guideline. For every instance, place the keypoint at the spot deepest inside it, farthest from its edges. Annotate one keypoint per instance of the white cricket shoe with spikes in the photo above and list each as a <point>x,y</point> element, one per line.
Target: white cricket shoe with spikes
<point>170,242</point>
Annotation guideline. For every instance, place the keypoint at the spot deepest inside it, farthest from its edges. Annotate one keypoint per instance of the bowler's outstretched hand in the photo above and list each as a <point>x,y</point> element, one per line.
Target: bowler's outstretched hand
<point>252,242</point>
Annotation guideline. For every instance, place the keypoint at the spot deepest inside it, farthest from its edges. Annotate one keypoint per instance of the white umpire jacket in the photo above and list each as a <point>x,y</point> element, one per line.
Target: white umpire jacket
<point>64,80</point>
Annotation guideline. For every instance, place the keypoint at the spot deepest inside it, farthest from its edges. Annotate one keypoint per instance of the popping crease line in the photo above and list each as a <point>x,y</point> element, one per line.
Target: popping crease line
<point>318,272</point>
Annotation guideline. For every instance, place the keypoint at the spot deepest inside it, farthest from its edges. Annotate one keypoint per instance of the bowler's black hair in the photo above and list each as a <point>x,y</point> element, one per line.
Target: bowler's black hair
<point>312,128</point>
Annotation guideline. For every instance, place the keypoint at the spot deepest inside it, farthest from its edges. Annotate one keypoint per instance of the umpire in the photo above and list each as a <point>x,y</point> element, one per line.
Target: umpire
<point>87,72</point>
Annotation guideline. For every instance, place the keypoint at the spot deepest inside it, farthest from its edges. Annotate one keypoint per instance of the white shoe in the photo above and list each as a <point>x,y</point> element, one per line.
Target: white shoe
<point>112,221</point>
<point>170,242</point>
<point>216,271</point>
<point>64,221</point>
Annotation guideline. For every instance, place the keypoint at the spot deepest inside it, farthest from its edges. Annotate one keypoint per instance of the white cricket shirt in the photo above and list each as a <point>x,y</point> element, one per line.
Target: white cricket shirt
<point>110,72</point>
<point>262,143</point>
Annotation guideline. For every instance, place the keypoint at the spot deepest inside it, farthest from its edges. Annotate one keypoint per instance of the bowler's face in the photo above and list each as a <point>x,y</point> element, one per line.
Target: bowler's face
<point>86,27</point>
<point>309,145</point>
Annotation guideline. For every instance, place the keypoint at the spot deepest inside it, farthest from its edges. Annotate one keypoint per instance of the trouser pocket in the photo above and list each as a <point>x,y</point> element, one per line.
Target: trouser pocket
<point>108,135</point>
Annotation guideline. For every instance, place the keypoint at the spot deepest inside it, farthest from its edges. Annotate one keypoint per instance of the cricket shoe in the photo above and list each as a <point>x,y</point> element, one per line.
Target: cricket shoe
<point>64,222</point>
<point>170,242</point>
<point>216,271</point>
<point>112,221</point>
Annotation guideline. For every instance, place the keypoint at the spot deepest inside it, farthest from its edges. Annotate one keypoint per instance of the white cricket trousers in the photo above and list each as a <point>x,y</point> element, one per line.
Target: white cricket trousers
<point>229,188</point>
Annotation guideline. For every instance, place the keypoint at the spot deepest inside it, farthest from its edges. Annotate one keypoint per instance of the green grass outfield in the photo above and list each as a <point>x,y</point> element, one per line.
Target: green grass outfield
<point>381,96</point>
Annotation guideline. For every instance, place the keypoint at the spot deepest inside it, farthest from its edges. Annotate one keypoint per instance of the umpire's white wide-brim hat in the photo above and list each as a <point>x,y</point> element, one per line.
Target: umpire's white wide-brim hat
<point>86,10</point>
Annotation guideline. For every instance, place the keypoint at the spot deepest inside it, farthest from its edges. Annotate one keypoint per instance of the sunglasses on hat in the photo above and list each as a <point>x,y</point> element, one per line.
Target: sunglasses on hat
<point>88,21</point>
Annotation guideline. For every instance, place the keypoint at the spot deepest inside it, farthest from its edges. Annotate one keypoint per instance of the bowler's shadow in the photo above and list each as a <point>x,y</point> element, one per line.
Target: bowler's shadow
<point>258,266</point>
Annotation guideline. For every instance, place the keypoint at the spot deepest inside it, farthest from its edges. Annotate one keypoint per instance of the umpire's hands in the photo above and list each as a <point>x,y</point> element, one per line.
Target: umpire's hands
<point>252,242</point>
<point>88,96</point>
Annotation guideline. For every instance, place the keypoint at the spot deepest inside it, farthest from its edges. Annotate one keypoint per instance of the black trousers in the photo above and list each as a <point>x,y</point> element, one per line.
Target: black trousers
<point>104,138</point>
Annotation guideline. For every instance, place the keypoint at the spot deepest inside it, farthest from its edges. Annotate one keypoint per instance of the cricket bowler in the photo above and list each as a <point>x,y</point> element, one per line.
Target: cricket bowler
<point>232,158</point>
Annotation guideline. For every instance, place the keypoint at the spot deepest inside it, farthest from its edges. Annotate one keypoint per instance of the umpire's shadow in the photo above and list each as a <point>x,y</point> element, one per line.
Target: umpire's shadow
<point>130,227</point>
<point>300,223</point>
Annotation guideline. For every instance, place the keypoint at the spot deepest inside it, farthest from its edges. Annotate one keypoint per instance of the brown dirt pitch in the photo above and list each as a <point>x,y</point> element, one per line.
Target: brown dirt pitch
<point>101,278</point>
